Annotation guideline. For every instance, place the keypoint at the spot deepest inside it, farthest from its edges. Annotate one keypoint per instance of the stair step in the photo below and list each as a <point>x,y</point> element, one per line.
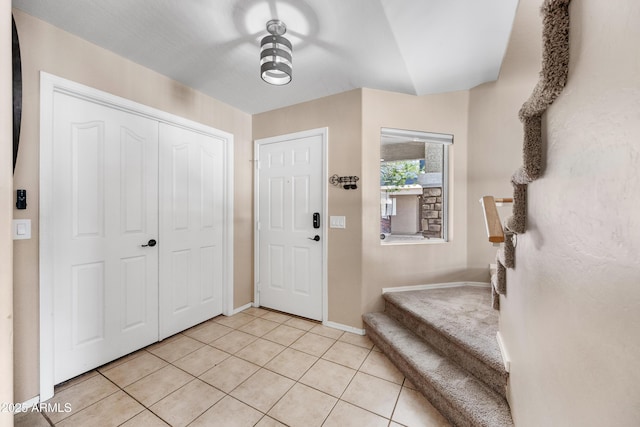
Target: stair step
<point>460,323</point>
<point>458,395</point>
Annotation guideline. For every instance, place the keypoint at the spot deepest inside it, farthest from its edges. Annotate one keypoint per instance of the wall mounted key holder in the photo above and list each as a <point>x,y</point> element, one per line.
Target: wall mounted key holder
<point>346,182</point>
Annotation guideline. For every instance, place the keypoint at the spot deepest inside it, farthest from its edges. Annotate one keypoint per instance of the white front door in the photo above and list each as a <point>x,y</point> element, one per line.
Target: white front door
<point>192,217</point>
<point>104,207</point>
<point>290,192</point>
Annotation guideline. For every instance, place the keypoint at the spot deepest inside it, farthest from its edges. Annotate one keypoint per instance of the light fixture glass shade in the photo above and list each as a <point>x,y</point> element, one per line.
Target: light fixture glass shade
<point>275,55</point>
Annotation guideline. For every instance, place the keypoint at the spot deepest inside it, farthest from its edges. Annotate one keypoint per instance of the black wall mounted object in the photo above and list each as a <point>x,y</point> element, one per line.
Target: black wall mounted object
<point>346,182</point>
<point>21,199</point>
<point>17,91</point>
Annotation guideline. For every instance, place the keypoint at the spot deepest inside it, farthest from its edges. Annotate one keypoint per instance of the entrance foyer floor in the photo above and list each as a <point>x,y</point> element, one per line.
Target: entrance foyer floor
<point>256,368</point>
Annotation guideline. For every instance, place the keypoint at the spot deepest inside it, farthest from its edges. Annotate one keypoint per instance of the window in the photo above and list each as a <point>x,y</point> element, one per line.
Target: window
<point>413,186</point>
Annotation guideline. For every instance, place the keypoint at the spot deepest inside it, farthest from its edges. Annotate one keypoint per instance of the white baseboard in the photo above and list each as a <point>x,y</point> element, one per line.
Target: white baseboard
<point>28,404</point>
<point>435,286</point>
<point>327,323</point>
<point>342,327</point>
<point>242,308</point>
<point>503,351</point>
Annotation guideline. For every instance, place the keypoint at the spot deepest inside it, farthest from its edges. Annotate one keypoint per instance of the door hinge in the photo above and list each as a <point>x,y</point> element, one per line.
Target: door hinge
<point>258,226</point>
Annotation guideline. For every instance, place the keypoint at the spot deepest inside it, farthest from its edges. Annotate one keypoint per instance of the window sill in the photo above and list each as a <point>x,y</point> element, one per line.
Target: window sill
<point>412,242</point>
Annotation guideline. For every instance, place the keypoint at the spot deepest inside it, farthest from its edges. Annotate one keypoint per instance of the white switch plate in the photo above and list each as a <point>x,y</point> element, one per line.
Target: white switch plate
<point>337,222</point>
<point>21,229</point>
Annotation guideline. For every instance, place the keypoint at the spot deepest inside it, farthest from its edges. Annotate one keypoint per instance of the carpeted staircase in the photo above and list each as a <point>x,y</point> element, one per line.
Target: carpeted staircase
<point>444,341</point>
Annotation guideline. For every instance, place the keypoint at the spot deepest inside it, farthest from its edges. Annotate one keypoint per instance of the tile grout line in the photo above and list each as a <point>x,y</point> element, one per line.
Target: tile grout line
<point>345,389</point>
<point>47,419</point>
<point>125,392</point>
<point>395,405</point>
<point>264,414</point>
<point>97,401</point>
<point>318,357</point>
<point>93,403</point>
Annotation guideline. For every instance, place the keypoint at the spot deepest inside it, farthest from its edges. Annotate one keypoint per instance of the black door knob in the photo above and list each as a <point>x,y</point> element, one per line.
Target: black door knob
<point>316,238</point>
<point>150,243</point>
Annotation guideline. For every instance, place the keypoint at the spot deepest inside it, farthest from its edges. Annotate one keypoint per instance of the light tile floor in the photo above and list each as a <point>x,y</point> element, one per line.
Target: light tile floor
<point>256,368</point>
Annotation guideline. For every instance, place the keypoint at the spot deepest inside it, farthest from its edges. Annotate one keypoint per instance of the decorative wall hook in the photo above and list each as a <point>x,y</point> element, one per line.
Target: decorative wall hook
<point>346,182</point>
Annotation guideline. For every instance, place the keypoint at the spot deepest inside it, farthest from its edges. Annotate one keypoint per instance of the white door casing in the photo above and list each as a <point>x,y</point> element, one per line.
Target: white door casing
<point>192,213</point>
<point>290,187</point>
<point>110,197</point>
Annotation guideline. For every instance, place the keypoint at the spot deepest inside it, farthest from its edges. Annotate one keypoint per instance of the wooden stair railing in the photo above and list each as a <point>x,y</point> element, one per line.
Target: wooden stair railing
<point>492,222</point>
<point>500,200</point>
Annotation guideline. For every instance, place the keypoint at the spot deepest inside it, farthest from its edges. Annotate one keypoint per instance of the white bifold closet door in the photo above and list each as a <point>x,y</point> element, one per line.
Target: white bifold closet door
<point>105,207</point>
<point>192,171</point>
<point>121,180</point>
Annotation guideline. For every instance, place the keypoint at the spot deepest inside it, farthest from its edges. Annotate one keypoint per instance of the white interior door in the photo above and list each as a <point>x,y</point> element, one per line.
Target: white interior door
<point>192,215</point>
<point>103,198</point>
<point>290,191</point>
<point>105,204</point>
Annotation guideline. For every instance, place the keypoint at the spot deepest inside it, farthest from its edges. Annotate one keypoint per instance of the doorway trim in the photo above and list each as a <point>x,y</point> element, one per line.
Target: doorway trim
<point>50,84</point>
<point>324,134</point>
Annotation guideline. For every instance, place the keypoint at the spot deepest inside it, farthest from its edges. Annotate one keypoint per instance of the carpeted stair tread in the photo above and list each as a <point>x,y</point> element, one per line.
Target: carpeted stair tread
<point>458,395</point>
<point>461,314</point>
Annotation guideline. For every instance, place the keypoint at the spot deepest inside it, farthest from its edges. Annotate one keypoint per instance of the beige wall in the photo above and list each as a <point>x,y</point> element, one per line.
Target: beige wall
<point>47,48</point>
<point>358,265</point>
<point>571,318</point>
<point>341,114</point>
<point>6,214</point>
<point>414,264</point>
<point>495,132</point>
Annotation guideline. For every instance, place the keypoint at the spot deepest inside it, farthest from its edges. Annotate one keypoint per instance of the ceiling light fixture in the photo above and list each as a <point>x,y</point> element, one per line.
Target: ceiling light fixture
<point>275,55</point>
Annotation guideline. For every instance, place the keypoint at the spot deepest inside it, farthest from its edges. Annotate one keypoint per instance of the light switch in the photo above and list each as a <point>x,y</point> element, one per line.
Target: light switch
<point>21,229</point>
<point>337,222</point>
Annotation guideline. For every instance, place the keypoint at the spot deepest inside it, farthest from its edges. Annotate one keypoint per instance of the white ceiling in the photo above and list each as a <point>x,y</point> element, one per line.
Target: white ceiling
<point>409,46</point>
